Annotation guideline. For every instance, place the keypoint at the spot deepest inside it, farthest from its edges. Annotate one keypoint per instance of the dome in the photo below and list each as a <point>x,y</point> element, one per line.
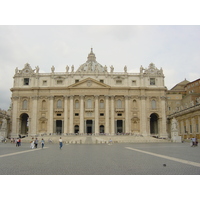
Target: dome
<point>91,64</point>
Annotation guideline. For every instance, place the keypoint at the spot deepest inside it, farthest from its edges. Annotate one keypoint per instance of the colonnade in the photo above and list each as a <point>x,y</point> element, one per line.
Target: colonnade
<point>108,118</point>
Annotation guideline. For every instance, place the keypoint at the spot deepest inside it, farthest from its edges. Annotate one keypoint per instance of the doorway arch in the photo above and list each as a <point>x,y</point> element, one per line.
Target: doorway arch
<point>154,124</point>
<point>24,121</point>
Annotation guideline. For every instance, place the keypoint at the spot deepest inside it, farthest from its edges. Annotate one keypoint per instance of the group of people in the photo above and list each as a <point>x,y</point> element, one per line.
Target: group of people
<point>194,142</point>
<point>34,143</point>
<point>16,141</point>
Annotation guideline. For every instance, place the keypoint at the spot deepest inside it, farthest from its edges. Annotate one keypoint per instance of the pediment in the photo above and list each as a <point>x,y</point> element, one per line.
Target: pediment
<point>89,83</point>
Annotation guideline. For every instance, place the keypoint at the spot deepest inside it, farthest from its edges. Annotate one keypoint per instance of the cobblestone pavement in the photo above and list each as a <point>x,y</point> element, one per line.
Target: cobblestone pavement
<point>100,159</point>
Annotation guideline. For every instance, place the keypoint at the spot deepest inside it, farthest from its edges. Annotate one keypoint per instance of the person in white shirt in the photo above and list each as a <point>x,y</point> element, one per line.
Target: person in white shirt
<point>60,142</point>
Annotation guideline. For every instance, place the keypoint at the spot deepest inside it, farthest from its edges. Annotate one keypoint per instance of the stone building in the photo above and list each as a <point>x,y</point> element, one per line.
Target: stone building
<point>93,100</point>
<point>184,105</point>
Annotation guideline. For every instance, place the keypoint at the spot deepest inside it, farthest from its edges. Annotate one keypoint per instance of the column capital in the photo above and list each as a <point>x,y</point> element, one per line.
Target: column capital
<point>163,98</point>
<point>15,98</point>
<point>142,97</point>
<point>35,97</point>
<point>50,97</point>
<point>127,97</point>
<point>66,96</point>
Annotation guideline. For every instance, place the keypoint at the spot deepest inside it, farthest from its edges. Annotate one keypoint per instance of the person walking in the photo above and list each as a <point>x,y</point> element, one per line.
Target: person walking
<point>42,142</point>
<point>36,142</point>
<point>193,142</point>
<point>60,143</point>
<point>32,144</point>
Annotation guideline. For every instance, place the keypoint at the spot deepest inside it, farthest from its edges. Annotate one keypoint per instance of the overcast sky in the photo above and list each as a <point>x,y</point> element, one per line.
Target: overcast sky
<point>174,48</point>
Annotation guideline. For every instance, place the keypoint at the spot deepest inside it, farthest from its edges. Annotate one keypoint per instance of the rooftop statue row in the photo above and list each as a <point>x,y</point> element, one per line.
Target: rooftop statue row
<point>90,66</point>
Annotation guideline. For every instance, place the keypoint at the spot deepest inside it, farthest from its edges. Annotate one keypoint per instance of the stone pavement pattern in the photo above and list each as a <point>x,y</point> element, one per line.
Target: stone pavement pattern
<point>100,159</point>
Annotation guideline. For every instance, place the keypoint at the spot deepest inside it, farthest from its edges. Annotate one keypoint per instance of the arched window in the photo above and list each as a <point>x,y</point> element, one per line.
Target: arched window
<point>25,105</point>
<point>153,104</point>
<point>101,104</point>
<point>89,103</point>
<point>119,103</point>
<point>77,104</point>
<point>59,104</point>
<point>43,105</point>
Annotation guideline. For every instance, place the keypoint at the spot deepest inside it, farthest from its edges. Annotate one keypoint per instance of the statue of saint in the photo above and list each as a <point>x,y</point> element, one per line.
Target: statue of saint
<point>111,69</point>
<point>125,69</point>
<point>37,69</point>
<point>16,70</point>
<point>72,68</point>
<point>67,68</point>
<point>4,124</point>
<point>174,125</point>
<point>52,69</point>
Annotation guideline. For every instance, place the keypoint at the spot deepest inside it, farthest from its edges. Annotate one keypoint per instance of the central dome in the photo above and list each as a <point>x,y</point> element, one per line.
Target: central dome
<point>91,64</point>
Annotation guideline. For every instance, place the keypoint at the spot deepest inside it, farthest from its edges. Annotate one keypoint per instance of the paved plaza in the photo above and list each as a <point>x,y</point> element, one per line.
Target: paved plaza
<point>100,159</point>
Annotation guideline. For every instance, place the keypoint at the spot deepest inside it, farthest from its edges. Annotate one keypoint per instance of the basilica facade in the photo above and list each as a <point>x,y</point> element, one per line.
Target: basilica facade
<point>94,99</point>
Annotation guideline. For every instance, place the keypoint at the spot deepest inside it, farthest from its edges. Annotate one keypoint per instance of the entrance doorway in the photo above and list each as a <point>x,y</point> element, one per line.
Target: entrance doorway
<point>119,126</point>
<point>58,126</point>
<point>76,129</point>
<point>101,129</point>
<point>154,123</point>
<point>24,124</point>
<point>89,124</point>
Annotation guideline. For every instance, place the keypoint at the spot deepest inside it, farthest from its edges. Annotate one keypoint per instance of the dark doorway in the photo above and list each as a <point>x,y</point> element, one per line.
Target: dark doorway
<point>76,129</point>
<point>119,126</point>
<point>89,124</point>
<point>101,129</point>
<point>24,124</point>
<point>58,126</point>
<point>154,123</point>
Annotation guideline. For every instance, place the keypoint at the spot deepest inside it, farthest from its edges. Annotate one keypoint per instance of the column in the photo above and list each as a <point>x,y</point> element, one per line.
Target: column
<point>81,128</point>
<point>107,115</point>
<point>34,115</point>
<point>127,123</point>
<point>15,127</point>
<point>50,120</point>
<point>112,122</point>
<point>143,121</point>
<point>71,115</point>
<point>96,115</point>
<point>65,114</point>
<point>163,128</point>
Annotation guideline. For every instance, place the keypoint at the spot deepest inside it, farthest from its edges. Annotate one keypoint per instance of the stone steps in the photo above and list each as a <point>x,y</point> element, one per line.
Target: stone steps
<point>97,139</point>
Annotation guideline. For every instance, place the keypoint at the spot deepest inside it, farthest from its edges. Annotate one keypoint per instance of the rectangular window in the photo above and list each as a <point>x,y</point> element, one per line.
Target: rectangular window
<point>119,114</point>
<point>101,114</point>
<point>101,81</point>
<point>44,83</point>
<point>118,82</point>
<point>133,83</point>
<point>26,81</point>
<point>152,81</point>
<point>76,114</point>
<point>59,82</point>
<point>59,114</point>
<point>76,81</point>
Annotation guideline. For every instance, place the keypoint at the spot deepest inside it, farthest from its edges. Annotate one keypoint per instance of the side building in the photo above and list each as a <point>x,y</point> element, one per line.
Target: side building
<point>90,100</point>
<point>184,106</point>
